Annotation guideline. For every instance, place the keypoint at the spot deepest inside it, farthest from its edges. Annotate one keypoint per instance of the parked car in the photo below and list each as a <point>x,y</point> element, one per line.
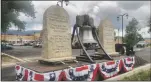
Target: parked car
<point>37,45</point>
<point>6,47</point>
<point>28,44</point>
<point>141,44</point>
<point>18,44</point>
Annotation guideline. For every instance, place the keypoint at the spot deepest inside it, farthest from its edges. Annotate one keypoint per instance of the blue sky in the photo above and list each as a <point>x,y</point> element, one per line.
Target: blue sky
<point>98,10</point>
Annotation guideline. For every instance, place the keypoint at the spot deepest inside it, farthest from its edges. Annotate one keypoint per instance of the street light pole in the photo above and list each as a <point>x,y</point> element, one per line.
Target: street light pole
<point>61,1</point>
<point>122,23</point>
<point>118,35</point>
<point>122,29</point>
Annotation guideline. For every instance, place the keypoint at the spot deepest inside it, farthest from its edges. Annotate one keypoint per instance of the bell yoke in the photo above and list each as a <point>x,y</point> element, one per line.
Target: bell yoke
<point>88,38</point>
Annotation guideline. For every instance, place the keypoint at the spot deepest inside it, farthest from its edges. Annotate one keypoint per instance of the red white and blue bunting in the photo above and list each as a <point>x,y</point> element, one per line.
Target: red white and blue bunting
<point>83,73</point>
<point>128,63</point>
<point>110,68</point>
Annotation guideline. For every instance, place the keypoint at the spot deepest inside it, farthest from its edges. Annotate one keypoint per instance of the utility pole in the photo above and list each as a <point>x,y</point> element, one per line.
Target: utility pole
<point>118,36</point>
<point>122,22</point>
<point>34,36</point>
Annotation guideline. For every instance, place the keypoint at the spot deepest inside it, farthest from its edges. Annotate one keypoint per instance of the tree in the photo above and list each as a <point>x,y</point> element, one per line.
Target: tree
<point>12,9</point>
<point>132,36</point>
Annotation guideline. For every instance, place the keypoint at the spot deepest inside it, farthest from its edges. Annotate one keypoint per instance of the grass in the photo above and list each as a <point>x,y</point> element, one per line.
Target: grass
<point>140,76</point>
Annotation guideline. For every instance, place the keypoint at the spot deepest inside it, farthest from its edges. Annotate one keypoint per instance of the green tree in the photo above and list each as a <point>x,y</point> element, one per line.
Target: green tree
<point>12,9</point>
<point>132,36</point>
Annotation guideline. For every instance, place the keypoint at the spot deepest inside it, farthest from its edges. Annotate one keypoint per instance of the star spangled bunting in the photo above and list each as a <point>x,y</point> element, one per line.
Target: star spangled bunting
<point>110,69</point>
<point>20,72</point>
<point>128,63</point>
<point>76,74</point>
<point>53,76</point>
<point>83,73</point>
<point>93,71</point>
<point>31,75</point>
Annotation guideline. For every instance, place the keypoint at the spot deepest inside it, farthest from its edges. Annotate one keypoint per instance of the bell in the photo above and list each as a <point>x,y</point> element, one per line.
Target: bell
<point>86,35</point>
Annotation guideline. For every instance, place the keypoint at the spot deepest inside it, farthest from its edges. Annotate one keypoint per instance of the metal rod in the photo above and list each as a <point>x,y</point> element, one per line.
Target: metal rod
<point>74,28</point>
<point>66,64</point>
<point>101,45</point>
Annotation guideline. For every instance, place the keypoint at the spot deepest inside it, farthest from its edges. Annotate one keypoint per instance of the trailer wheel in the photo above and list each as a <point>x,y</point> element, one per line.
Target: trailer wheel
<point>122,51</point>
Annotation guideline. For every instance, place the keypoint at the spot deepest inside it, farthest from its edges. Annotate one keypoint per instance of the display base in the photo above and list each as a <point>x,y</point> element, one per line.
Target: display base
<point>113,54</point>
<point>44,68</point>
<point>57,61</point>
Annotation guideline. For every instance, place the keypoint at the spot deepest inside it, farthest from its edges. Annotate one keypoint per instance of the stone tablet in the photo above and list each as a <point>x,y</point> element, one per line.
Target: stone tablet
<point>106,36</point>
<point>56,37</point>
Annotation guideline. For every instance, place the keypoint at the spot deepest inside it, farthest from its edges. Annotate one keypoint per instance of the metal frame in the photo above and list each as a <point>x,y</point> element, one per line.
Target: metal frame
<point>75,28</point>
<point>97,38</point>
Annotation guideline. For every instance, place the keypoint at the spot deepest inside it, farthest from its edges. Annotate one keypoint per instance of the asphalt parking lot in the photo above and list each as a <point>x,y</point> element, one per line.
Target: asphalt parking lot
<point>30,52</point>
<point>8,74</point>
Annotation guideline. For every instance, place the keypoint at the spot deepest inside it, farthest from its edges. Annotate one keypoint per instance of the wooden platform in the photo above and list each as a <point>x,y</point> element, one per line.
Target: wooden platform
<point>44,68</point>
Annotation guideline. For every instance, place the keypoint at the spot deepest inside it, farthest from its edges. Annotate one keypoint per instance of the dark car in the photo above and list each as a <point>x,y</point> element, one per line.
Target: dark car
<point>6,47</point>
<point>28,44</point>
<point>37,45</point>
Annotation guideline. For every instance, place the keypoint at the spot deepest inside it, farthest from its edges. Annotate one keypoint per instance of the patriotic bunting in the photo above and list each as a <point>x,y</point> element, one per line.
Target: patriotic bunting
<point>93,69</point>
<point>83,73</point>
<point>110,69</point>
<point>53,76</point>
<point>19,72</point>
<point>128,63</point>
<point>77,74</point>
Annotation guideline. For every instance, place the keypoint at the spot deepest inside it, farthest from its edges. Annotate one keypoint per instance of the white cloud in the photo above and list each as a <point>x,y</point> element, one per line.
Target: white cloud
<point>97,9</point>
<point>144,32</point>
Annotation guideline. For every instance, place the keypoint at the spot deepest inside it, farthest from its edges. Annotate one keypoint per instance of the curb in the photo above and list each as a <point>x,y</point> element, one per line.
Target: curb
<point>135,70</point>
<point>24,60</point>
<point>20,60</point>
<point>8,65</point>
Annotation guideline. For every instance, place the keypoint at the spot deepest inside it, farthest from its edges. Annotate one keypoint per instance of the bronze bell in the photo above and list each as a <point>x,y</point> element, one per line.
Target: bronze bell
<point>86,35</point>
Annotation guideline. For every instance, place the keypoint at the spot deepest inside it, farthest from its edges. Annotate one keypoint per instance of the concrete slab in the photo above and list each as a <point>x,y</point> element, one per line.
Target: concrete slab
<point>43,68</point>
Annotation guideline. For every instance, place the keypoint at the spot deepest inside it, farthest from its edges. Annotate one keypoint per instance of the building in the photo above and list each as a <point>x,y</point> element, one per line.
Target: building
<point>147,40</point>
<point>15,37</point>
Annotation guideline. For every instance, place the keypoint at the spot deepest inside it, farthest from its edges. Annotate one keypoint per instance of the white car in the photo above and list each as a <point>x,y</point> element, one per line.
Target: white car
<point>37,45</point>
<point>141,44</point>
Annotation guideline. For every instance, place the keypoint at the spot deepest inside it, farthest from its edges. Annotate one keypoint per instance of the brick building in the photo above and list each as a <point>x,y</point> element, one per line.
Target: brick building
<point>13,36</point>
